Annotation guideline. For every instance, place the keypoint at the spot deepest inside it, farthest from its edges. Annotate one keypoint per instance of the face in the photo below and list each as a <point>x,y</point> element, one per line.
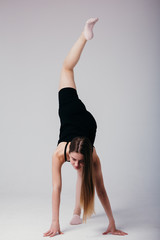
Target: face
<point>77,160</point>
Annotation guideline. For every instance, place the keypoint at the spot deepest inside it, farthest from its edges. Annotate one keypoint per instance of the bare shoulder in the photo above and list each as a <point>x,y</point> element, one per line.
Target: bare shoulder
<point>59,152</point>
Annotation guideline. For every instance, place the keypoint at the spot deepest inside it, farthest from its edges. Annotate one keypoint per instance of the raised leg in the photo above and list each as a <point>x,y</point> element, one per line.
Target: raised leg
<point>77,210</point>
<point>67,74</point>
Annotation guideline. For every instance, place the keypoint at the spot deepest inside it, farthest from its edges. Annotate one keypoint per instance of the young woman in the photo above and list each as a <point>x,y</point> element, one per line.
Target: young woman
<point>76,144</point>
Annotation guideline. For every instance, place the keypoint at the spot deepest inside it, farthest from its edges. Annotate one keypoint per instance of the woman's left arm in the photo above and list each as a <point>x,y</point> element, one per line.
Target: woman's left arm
<point>103,197</point>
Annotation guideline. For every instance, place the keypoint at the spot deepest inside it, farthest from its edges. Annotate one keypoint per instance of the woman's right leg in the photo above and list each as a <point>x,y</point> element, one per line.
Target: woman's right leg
<point>67,74</point>
<point>77,209</point>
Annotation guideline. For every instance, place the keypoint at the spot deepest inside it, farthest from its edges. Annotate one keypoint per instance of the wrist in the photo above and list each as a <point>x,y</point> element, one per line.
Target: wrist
<point>111,220</point>
<point>55,220</point>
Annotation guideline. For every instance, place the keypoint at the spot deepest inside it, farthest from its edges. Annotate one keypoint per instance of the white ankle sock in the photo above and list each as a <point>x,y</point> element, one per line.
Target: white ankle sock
<point>76,220</point>
<point>88,28</point>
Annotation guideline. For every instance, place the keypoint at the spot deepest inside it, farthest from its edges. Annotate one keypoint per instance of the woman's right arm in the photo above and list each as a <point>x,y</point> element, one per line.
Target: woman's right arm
<point>57,184</point>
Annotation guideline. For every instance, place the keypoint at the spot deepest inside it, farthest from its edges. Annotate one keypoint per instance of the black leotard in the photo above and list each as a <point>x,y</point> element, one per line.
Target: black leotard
<point>74,118</point>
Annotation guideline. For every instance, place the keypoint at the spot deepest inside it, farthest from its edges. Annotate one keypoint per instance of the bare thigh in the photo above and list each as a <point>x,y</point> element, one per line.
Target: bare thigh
<point>67,78</point>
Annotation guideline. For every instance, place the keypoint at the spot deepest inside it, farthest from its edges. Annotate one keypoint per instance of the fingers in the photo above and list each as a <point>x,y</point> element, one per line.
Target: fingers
<point>46,233</point>
<point>52,234</point>
<point>120,234</point>
<point>56,233</point>
<point>106,232</point>
<point>124,233</point>
<point>117,232</point>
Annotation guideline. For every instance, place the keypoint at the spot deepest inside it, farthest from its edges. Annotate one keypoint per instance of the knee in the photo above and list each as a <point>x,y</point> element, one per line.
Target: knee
<point>66,66</point>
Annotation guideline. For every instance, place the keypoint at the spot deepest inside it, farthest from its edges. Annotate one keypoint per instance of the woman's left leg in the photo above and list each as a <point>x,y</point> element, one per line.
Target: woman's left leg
<point>67,74</point>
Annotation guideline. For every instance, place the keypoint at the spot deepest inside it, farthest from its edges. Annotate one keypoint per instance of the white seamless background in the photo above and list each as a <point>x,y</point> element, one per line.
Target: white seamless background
<point>117,78</point>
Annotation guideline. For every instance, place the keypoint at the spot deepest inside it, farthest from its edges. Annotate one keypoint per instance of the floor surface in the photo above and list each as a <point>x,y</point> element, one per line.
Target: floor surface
<point>28,217</point>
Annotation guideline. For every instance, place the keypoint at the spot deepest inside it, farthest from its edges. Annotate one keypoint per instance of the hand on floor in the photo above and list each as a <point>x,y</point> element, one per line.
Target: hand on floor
<point>53,231</point>
<point>112,230</point>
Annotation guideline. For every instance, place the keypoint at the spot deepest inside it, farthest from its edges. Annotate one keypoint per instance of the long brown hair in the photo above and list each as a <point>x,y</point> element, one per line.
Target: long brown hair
<point>83,145</point>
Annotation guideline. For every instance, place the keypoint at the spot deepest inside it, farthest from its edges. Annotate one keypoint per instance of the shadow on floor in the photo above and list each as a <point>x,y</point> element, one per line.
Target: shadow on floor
<point>134,217</point>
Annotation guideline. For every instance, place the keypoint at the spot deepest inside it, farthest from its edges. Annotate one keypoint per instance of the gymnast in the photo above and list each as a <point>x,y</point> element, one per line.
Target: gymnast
<point>76,146</point>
